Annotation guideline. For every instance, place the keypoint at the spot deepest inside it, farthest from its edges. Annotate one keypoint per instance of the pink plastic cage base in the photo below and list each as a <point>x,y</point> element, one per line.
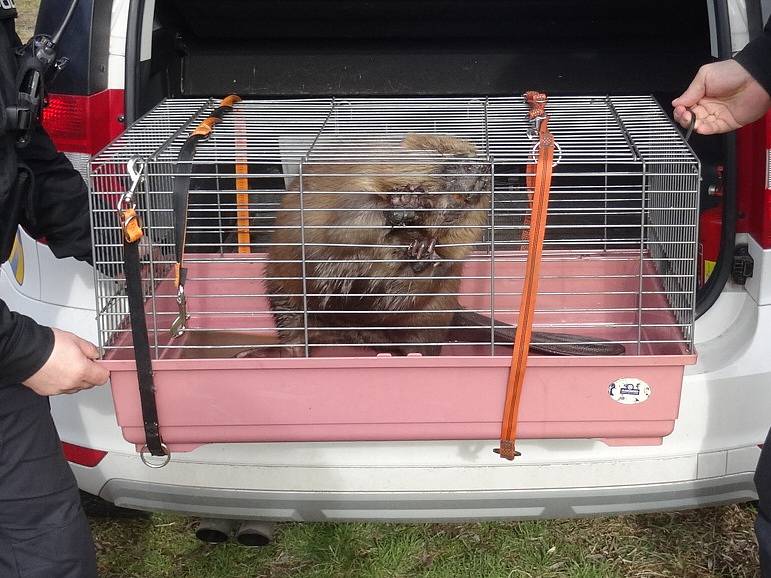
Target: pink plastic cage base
<point>354,394</point>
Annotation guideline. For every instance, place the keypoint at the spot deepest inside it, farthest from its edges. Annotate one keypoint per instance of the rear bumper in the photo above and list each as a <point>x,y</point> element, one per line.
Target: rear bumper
<point>424,481</point>
<point>708,459</point>
<point>437,506</point>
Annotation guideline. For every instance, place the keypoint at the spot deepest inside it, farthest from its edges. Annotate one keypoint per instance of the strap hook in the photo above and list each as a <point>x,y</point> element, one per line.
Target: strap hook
<point>178,327</point>
<point>127,214</point>
<point>536,102</point>
<point>135,168</point>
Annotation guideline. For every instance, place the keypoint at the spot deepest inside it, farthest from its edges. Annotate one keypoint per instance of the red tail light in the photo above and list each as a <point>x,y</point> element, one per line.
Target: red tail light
<point>753,152</point>
<point>82,456</point>
<point>84,124</point>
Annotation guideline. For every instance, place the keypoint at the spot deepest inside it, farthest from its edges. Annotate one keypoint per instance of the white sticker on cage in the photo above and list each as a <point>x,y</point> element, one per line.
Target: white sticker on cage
<point>629,390</point>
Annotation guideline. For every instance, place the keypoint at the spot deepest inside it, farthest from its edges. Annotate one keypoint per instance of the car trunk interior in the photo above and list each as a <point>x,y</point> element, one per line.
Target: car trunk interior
<point>304,48</point>
<point>401,47</point>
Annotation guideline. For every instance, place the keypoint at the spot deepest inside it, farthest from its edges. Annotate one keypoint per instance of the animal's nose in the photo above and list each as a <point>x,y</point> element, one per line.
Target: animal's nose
<point>400,217</point>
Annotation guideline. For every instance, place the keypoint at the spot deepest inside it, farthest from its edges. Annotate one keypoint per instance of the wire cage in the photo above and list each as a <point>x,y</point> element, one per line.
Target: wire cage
<point>390,235</point>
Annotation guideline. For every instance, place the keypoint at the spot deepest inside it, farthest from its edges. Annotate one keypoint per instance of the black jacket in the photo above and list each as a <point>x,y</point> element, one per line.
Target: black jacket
<point>40,191</point>
<point>756,57</point>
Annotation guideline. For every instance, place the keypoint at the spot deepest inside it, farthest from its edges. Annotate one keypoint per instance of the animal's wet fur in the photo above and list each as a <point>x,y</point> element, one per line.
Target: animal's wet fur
<point>358,275</point>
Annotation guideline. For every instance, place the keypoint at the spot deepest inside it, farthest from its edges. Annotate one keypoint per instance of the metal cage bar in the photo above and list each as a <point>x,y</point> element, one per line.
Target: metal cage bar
<point>329,259</point>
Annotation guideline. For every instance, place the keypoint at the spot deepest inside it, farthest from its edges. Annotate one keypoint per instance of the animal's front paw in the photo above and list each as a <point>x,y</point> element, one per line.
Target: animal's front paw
<point>423,251</point>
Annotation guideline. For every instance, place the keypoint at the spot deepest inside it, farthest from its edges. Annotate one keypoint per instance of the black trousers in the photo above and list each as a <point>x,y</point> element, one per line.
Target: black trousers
<point>763,521</point>
<point>43,529</point>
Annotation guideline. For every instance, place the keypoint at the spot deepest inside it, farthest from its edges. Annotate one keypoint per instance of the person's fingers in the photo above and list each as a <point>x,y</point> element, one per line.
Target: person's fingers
<point>95,374</point>
<point>74,388</point>
<point>695,91</point>
<point>712,119</point>
<point>712,127</point>
<point>683,116</point>
<point>88,348</point>
<point>81,386</point>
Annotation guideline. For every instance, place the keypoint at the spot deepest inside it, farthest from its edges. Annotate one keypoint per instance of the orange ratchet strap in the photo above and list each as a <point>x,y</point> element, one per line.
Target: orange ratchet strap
<point>242,188</point>
<point>541,182</point>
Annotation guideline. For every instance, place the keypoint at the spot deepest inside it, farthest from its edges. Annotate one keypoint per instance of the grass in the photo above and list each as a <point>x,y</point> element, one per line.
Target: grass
<point>699,543</point>
<point>702,543</point>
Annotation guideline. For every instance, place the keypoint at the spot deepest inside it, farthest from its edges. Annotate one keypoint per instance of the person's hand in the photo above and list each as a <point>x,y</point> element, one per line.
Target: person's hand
<point>723,96</point>
<point>70,367</point>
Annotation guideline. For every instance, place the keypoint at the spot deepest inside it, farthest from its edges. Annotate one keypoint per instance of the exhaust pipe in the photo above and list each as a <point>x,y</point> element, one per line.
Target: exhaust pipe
<point>214,530</point>
<point>254,534</point>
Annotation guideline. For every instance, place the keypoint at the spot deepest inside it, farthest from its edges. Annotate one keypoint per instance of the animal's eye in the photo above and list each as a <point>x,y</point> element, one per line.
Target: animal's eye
<point>468,197</point>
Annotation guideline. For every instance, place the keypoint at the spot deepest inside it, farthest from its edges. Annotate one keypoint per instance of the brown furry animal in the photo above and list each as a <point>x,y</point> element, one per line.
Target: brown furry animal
<point>384,248</point>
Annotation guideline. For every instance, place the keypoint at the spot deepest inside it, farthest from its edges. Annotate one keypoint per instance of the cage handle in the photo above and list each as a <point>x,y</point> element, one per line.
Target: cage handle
<point>180,195</point>
<point>541,187</point>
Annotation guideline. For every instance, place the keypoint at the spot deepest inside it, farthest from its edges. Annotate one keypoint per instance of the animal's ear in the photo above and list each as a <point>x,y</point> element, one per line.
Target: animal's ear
<point>446,145</point>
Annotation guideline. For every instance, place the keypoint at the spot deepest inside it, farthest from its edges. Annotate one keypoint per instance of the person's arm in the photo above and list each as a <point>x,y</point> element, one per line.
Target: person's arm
<point>57,208</point>
<point>57,204</point>
<point>25,346</point>
<point>755,58</point>
<point>48,361</point>
<point>729,94</point>
<point>51,361</point>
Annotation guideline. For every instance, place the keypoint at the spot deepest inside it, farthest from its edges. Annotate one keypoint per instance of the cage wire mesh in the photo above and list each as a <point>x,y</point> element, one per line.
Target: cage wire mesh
<point>364,226</point>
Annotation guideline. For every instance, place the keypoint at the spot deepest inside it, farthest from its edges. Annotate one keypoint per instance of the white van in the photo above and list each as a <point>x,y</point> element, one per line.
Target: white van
<point>128,55</point>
